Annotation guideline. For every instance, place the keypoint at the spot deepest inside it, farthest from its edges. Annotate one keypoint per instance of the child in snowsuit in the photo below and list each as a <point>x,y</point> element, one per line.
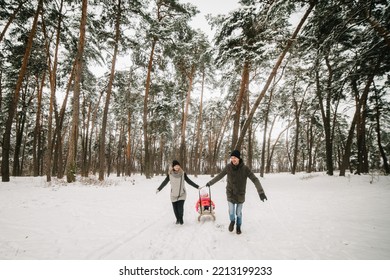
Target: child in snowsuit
<point>204,201</point>
<point>177,176</point>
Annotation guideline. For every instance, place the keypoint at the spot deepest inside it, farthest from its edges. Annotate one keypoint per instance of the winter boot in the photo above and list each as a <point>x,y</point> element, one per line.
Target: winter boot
<point>238,229</point>
<point>231,226</point>
<point>181,221</point>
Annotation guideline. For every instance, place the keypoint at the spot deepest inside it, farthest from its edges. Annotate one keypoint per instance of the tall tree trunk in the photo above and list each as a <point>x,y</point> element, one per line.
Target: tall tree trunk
<point>71,166</point>
<point>239,103</point>
<point>309,143</point>
<point>267,151</point>
<point>109,156</point>
<point>361,136</point>
<point>264,144</point>
<point>298,110</point>
<point>108,96</point>
<point>273,73</point>
<point>37,130</point>
<point>183,148</point>
<point>326,114</point>
<point>296,140</point>
<point>347,150</point>
<point>53,88</point>
<point>147,158</point>
<point>379,136</point>
<point>129,144</point>
<point>361,120</point>
<point>245,112</point>
<point>58,160</point>
<point>20,125</point>
<point>119,161</point>
<point>85,141</point>
<point>249,156</point>
<point>198,145</point>
<point>6,145</point>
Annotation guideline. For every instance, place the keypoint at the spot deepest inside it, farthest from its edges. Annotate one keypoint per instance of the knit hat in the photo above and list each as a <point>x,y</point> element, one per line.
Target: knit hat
<point>175,162</point>
<point>235,153</point>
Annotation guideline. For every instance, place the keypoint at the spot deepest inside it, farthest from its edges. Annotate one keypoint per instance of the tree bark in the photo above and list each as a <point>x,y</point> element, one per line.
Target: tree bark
<point>58,160</point>
<point>6,145</point>
<point>347,150</point>
<point>267,159</point>
<point>71,166</point>
<point>128,144</point>
<point>239,103</point>
<point>53,88</point>
<point>183,149</point>
<point>326,114</point>
<point>20,126</point>
<point>379,137</point>
<point>198,145</point>
<point>108,96</point>
<point>147,158</point>
<point>37,130</point>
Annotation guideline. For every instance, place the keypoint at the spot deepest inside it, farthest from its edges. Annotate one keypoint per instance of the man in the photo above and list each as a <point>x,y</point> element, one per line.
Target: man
<point>237,174</point>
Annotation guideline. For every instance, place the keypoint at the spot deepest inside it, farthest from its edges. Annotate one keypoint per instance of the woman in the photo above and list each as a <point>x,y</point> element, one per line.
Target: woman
<point>177,176</point>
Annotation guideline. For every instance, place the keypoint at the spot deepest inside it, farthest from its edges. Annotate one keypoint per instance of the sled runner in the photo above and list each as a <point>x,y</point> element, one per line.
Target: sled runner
<point>205,206</point>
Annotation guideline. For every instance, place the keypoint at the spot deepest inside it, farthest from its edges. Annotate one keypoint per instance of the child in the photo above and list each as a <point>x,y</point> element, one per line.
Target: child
<point>204,201</point>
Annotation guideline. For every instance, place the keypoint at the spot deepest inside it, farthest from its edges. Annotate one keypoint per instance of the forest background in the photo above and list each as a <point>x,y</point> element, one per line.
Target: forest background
<point>305,95</point>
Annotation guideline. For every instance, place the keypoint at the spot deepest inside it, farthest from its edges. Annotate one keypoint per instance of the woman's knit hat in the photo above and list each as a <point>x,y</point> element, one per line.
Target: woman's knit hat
<point>175,162</point>
<point>235,153</point>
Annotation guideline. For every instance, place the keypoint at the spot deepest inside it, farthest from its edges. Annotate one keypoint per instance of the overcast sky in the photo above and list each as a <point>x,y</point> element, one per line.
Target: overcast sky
<point>214,7</point>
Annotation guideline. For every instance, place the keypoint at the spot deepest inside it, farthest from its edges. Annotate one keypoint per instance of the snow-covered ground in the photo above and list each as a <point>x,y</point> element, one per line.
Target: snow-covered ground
<point>306,217</point>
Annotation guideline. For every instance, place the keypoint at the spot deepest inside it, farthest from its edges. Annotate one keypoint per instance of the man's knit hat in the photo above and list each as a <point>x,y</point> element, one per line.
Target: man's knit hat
<point>175,162</point>
<point>235,153</point>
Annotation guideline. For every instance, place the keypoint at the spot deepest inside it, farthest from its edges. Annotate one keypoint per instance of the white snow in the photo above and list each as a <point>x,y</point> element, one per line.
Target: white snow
<point>307,217</point>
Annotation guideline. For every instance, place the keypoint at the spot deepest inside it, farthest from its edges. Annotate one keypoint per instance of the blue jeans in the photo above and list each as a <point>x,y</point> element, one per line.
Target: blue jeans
<point>235,209</point>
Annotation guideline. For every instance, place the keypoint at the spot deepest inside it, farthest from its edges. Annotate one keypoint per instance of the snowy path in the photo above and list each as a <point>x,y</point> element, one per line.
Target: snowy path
<point>306,217</point>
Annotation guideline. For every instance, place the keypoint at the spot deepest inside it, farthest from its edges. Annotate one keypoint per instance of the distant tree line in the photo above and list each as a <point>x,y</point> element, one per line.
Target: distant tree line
<point>295,85</point>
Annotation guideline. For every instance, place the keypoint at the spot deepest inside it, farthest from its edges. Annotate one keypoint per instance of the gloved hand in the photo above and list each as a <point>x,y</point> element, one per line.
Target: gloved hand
<point>208,185</point>
<point>157,191</point>
<point>263,197</point>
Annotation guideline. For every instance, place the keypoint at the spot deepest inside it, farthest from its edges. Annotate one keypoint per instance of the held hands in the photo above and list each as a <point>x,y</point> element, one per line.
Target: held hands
<point>263,197</point>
